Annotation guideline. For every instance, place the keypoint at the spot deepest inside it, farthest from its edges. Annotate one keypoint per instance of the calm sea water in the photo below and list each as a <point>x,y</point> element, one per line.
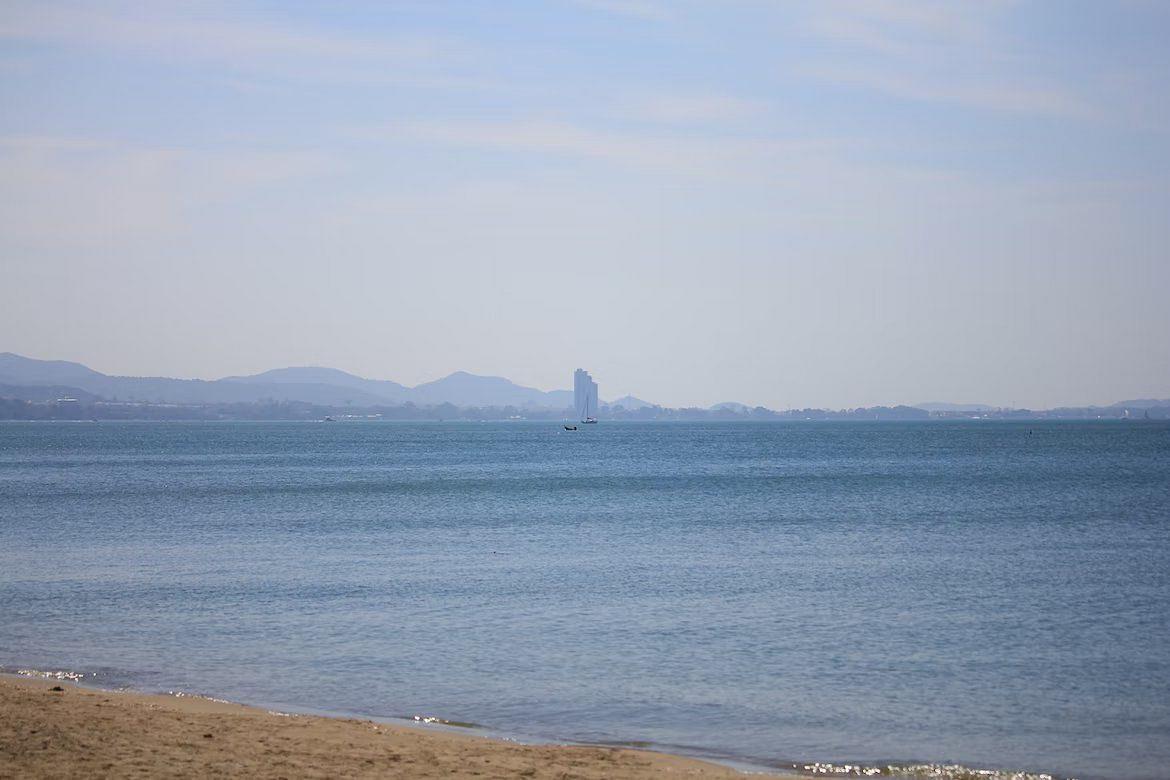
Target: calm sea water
<point>992,594</point>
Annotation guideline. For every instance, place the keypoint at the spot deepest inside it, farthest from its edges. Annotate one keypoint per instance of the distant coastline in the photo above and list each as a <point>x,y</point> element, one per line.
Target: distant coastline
<point>32,389</point>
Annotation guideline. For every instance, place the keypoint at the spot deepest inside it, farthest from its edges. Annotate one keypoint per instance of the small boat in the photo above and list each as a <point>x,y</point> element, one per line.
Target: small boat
<point>328,419</point>
<point>590,421</point>
<point>570,427</point>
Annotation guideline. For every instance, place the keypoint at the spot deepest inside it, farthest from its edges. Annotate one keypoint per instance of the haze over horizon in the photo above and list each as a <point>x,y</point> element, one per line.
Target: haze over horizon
<point>803,204</point>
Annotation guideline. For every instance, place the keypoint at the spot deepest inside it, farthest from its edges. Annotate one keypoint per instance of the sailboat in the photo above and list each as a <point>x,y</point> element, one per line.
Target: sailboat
<point>588,418</point>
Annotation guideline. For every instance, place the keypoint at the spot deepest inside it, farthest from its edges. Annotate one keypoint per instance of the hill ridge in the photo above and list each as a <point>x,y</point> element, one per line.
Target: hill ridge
<point>315,384</point>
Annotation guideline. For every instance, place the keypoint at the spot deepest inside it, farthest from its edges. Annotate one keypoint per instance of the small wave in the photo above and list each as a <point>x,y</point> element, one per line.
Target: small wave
<point>63,674</point>
<point>431,719</point>
<point>923,772</point>
<point>184,694</point>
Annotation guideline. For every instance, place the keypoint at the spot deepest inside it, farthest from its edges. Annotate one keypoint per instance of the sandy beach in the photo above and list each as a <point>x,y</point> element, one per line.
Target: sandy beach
<point>55,729</point>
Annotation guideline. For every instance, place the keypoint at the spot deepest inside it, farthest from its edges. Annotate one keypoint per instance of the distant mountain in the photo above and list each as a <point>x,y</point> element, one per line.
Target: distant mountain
<point>464,389</point>
<point>326,386</point>
<point>19,370</point>
<point>26,372</point>
<point>459,389</point>
<point>302,375</point>
<point>938,406</point>
<point>629,402</point>
<point>1142,403</point>
<point>389,392</point>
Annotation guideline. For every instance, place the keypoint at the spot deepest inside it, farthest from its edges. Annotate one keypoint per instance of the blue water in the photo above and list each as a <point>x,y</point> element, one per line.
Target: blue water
<point>987,593</point>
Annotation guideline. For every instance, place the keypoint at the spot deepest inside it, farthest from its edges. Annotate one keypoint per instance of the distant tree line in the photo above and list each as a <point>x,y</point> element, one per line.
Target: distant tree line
<point>17,409</point>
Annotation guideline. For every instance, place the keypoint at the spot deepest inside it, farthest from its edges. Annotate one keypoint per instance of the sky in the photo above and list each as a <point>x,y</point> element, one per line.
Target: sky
<point>788,203</point>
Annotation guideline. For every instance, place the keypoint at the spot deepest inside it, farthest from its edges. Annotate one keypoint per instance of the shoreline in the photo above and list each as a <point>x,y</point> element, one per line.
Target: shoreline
<point>417,746</point>
<point>52,727</point>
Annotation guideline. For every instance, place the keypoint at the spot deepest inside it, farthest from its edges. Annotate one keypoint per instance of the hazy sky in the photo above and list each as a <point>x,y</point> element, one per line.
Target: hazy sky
<point>786,203</point>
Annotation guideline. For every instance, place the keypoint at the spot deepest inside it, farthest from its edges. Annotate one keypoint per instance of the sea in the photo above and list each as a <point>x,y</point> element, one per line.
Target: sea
<point>930,599</point>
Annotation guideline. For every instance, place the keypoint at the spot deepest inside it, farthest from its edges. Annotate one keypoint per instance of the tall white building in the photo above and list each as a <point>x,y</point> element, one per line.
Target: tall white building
<point>584,395</point>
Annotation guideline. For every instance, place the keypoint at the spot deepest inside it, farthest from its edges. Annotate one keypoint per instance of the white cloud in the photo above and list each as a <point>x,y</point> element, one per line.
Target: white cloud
<point>905,26</point>
<point>956,53</point>
<point>958,90</point>
<point>640,9</point>
<point>662,152</point>
<point>80,192</point>
<point>209,32</point>
<point>694,108</point>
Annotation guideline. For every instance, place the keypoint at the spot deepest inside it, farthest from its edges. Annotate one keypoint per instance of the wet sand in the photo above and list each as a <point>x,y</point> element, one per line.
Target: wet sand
<point>81,732</point>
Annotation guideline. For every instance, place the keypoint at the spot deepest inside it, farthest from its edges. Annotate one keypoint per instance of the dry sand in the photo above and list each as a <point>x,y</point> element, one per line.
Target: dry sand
<point>80,732</point>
